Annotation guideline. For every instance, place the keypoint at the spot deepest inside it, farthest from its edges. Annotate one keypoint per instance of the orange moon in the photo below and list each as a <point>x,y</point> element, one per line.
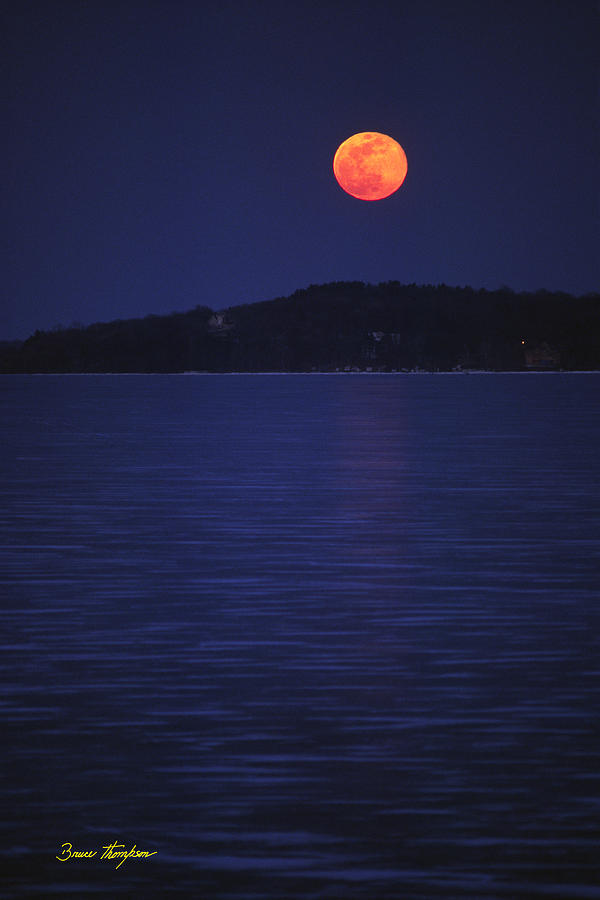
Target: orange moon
<point>370,165</point>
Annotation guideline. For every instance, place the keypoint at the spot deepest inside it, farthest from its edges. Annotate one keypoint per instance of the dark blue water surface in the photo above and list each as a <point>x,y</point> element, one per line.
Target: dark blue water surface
<point>305,636</point>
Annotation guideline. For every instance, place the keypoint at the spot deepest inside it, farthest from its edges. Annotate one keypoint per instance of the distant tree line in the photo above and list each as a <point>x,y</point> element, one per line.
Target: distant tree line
<point>336,326</point>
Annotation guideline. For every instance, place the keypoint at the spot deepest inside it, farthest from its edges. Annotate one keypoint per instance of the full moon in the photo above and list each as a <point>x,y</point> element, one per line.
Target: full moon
<point>370,165</point>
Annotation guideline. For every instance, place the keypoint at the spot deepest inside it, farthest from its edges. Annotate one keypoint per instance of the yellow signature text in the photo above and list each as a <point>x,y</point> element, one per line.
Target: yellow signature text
<point>114,851</point>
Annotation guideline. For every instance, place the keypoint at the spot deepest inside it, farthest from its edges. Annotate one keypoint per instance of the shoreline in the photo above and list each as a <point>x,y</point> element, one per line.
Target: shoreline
<point>360,372</point>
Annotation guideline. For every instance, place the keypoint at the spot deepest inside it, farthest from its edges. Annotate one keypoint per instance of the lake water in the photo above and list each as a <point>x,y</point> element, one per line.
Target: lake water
<point>306,636</point>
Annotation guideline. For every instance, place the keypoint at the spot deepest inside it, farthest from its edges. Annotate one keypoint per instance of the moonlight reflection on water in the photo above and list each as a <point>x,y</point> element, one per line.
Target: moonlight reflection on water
<point>305,636</point>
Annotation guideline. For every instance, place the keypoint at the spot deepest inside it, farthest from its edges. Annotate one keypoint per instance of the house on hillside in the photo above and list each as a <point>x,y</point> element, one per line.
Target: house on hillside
<point>541,356</point>
<point>219,323</point>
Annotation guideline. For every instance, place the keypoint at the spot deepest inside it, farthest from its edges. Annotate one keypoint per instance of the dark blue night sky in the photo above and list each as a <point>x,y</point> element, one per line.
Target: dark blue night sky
<point>162,155</point>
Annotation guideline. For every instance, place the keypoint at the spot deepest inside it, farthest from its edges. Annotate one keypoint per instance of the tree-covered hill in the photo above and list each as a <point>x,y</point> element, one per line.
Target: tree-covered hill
<point>336,326</point>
